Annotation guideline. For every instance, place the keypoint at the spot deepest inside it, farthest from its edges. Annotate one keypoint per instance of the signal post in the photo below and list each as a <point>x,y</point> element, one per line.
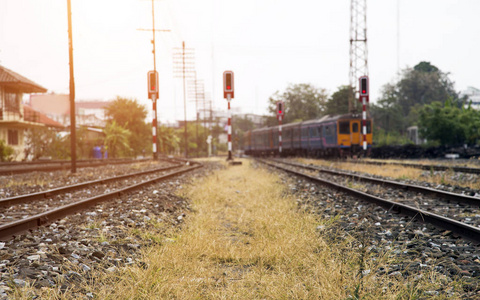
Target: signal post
<point>363,98</point>
<point>153,94</point>
<point>228,93</point>
<point>280,114</point>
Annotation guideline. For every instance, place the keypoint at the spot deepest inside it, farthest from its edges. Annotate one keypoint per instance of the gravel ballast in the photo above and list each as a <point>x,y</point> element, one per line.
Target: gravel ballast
<point>106,237</point>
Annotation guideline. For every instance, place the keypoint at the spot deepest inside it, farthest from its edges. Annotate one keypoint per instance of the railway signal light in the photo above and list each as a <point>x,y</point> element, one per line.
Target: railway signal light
<point>364,88</point>
<point>280,109</point>
<point>152,84</point>
<point>228,84</point>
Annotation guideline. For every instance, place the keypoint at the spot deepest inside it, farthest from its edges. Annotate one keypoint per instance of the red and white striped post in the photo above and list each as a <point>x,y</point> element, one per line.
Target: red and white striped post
<point>228,93</point>
<point>364,122</point>
<point>229,128</point>
<point>153,94</point>
<point>154,127</point>
<point>364,91</point>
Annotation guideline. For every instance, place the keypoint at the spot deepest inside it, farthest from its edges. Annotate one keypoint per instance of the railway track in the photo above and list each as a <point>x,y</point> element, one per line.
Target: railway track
<point>459,169</point>
<point>446,210</point>
<point>9,168</point>
<point>36,209</point>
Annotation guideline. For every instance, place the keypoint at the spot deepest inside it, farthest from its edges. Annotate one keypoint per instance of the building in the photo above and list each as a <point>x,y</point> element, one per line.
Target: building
<point>473,96</point>
<point>257,120</point>
<point>57,107</point>
<point>15,119</point>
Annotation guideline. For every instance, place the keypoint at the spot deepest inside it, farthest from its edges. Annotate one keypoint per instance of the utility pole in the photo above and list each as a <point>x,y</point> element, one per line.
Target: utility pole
<point>154,96</point>
<point>358,47</point>
<point>73,137</point>
<point>196,91</point>
<point>183,61</point>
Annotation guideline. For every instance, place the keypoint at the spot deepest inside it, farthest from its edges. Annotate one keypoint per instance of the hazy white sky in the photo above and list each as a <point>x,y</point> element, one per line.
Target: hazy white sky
<point>267,43</point>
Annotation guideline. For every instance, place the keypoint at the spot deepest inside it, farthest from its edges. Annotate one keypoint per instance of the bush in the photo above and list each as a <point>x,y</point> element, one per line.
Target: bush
<point>6,152</point>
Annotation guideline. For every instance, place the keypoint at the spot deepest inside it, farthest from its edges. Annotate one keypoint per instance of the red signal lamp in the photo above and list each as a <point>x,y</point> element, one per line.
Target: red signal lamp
<point>364,88</point>
<point>152,84</point>
<point>228,84</point>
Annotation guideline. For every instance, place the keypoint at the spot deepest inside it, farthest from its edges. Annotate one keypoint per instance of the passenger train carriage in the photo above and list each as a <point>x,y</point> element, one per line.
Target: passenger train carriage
<point>329,136</point>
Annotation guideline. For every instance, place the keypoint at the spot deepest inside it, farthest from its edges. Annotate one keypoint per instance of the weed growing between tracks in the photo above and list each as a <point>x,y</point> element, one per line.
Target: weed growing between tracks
<point>245,240</point>
<point>248,239</point>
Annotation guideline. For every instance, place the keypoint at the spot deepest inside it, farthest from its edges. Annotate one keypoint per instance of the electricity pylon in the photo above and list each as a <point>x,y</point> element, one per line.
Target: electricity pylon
<point>358,47</point>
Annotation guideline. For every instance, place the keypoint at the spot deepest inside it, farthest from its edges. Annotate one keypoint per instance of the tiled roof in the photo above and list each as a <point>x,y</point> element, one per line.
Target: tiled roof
<point>32,115</point>
<point>15,81</point>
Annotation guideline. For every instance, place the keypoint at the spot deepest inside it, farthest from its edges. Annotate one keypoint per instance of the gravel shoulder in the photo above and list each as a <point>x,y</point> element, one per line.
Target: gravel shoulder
<point>109,236</point>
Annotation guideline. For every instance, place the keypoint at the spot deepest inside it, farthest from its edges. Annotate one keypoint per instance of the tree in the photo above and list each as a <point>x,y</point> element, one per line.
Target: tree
<point>337,104</point>
<point>46,142</point>
<point>194,147</point>
<point>442,123</point>
<point>422,85</point>
<point>470,119</point>
<point>116,139</point>
<point>400,103</point>
<point>168,141</point>
<point>302,102</point>
<point>387,114</point>
<point>130,115</point>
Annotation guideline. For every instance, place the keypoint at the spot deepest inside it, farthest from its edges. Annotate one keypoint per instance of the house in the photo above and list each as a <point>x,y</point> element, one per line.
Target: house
<point>15,120</point>
<point>57,107</point>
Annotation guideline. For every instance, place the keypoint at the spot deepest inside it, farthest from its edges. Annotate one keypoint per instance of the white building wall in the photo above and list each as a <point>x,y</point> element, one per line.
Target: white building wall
<point>473,95</point>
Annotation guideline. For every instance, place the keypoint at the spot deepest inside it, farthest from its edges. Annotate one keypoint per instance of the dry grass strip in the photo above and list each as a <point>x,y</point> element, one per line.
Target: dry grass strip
<point>403,173</point>
<point>248,239</point>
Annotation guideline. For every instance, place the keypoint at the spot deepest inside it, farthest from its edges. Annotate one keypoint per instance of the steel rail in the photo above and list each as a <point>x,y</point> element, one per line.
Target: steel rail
<point>427,167</point>
<point>59,165</point>
<point>405,186</point>
<point>64,161</point>
<point>465,230</point>
<point>41,195</point>
<point>14,228</point>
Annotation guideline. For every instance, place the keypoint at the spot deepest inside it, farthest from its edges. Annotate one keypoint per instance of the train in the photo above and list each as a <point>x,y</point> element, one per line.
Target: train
<point>330,136</point>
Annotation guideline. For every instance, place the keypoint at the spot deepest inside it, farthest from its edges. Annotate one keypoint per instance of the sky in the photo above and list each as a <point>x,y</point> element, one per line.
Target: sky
<point>268,44</point>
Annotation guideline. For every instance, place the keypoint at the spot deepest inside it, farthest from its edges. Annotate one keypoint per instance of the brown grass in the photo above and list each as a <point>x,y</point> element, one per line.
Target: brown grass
<point>247,239</point>
<point>399,172</point>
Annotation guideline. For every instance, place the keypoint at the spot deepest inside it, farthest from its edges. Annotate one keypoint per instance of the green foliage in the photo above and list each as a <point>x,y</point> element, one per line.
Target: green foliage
<point>302,102</point>
<point>168,141</point>
<point>470,120</point>
<point>383,137</point>
<point>44,142</point>
<point>195,147</point>
<point>6,152</point>
<point>337,104</point>
<point>423,84</point>
<point>443,123</point>
<point>117,140</point>
<point>402,103</point>
<point>387,114</point>
<point>425,67</point>
<point>129,114</point>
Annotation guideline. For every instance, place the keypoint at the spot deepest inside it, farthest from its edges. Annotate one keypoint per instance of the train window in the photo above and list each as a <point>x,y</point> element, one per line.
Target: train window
<point>369,126</point>
<point>344,127</point>
<point>305,132</point>
<point>328,130</point>
<point>355,127</point>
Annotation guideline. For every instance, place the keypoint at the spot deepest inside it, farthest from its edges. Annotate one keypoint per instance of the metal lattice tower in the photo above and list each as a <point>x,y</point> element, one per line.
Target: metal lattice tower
<point>358,46</point>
